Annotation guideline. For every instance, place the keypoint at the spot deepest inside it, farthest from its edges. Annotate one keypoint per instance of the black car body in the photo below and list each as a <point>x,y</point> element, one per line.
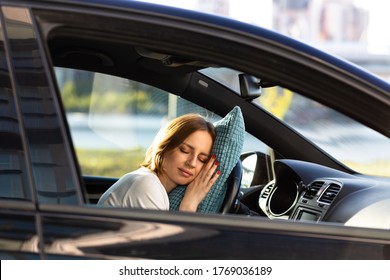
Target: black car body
<point>47,204</point>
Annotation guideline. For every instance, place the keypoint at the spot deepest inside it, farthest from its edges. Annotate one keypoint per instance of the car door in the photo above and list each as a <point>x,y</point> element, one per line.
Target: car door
<point>71,228</point>
<point>36,164</point>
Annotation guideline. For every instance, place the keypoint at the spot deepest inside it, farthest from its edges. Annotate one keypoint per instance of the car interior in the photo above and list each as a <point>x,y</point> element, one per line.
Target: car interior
<point>293,188</point>
<point>86,85</point>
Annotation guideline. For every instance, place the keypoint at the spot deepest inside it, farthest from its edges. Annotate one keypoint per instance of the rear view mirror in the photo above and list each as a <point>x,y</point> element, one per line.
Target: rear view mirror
<point>250,86</point>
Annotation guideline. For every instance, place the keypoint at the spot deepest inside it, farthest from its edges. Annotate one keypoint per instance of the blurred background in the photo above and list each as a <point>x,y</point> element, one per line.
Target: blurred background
<point>353,29</point>
<point>114,120</point>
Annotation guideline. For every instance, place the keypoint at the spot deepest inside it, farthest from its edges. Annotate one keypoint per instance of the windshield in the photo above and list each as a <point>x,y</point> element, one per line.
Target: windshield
<point>353,144</point>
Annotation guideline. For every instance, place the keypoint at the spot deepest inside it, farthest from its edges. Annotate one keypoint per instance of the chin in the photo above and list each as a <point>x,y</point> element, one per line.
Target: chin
<point>183,182</point>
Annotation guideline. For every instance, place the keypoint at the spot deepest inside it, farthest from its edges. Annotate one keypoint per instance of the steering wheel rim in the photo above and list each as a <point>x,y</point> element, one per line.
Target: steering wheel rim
<point>233,182</point>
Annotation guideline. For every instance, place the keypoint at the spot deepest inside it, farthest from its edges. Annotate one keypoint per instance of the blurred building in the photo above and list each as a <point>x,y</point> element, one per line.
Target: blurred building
<point>344,28</point>
<point>352,29</point>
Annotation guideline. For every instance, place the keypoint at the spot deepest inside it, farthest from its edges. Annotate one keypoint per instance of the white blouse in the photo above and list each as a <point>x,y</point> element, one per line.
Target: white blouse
<point>138,189</point>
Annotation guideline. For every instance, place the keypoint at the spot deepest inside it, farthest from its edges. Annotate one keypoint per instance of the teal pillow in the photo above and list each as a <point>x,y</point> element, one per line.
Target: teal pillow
<point>227,147</point>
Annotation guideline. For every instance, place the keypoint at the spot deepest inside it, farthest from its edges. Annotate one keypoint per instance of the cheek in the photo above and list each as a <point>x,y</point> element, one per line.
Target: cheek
<point>177,158</point>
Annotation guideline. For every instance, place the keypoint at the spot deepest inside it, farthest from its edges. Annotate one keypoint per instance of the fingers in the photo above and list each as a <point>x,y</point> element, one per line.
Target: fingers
<point>209,175</point>
<point>208,171</point>
<point>214,178</point>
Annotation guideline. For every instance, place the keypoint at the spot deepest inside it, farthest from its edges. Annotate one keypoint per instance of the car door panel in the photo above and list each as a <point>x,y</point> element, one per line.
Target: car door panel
<point>45,217</point>
<point>131,233</point>
<point>19,236</point>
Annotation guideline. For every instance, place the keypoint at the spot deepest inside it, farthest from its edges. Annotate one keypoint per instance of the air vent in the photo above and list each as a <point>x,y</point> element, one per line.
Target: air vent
<point>313,190</point>
<point>330,193</point>
<point>267,191</point>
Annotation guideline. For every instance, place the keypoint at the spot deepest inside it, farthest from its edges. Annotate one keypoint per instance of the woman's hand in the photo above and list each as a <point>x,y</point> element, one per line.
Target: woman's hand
<point>197,190</point>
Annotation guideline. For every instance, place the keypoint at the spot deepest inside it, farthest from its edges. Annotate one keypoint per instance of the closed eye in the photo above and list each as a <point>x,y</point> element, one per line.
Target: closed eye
<point>184,150</point>
<point>203,159</point>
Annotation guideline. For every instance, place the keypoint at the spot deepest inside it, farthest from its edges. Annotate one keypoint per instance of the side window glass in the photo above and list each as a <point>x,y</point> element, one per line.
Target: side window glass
<point>114,120</point>
<point>14,182</point>
<point>52,172</point>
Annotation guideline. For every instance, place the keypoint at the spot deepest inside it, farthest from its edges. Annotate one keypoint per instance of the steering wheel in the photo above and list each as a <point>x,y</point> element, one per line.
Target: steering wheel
<point>229,204</point>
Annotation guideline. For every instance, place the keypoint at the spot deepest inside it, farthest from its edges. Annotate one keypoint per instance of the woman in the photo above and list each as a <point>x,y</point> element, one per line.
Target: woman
<point>179,155</point>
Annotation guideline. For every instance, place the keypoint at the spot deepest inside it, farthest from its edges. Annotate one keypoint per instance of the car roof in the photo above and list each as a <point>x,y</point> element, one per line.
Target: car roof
<point>374,105</point>
<point>233,24</point>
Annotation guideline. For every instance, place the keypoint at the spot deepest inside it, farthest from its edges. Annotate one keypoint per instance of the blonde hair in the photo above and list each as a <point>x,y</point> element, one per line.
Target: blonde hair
<point>172,135</point>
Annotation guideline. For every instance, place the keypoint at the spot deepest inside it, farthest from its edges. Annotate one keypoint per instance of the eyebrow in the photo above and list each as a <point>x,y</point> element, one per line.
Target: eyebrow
<point>191,147</point>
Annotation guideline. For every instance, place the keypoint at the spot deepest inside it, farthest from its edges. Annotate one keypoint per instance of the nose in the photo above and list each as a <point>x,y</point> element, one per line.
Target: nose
<point>191,161</point>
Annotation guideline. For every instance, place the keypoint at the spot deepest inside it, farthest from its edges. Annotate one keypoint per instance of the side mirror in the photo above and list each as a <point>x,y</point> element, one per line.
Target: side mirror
<point>256,169</point>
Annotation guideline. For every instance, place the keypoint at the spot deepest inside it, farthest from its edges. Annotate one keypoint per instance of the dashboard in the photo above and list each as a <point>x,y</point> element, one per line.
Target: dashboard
<point>306,191</point>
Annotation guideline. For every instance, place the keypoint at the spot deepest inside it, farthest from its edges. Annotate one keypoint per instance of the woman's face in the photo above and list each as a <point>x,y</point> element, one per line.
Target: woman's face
<point>181,165</point>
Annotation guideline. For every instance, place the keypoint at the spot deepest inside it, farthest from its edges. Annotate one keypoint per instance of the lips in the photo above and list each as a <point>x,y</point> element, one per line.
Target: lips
<point>185,173</point>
